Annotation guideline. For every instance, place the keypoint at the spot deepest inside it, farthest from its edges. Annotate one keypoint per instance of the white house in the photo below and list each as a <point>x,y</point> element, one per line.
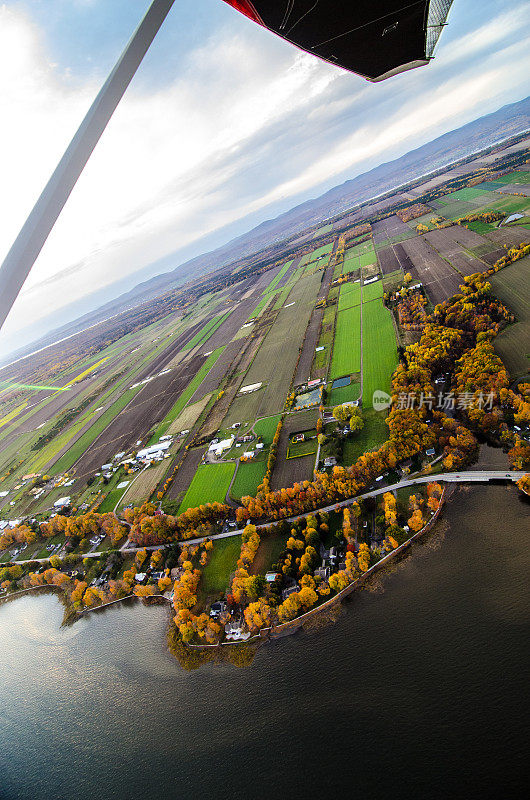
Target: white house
<point>62,501</point>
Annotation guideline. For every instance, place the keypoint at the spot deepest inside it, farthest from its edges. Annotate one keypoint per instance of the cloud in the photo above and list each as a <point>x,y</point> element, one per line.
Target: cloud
<point>248,126</point>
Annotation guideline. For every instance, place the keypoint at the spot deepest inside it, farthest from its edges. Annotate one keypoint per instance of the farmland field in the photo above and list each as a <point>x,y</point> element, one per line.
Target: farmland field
<point>350,295</point>
<point>248,477</point>
<point>511,285</point>
<point>346,356</point>
<point>372,291</point>
<point>359,256</point>
<point>379,349</point>
<point>209,485</point>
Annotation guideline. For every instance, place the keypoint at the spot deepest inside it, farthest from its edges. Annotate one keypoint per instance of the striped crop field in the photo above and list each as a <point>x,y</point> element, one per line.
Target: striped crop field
<point>379,349</point>
<point>347,345</point>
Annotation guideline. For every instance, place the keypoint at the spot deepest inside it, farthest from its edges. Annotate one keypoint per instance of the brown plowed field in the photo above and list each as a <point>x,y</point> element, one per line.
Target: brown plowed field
<point>438,277</point>
<point>228,329</point>
<point>388,228</point>
<point>510,236</point>
<point>185,472</point>
<point>219,369</point>
<point>148,407</point>
<point>393,258</point>
<point>449,243</point>
<point>303,370</point>
<point>286,472</point>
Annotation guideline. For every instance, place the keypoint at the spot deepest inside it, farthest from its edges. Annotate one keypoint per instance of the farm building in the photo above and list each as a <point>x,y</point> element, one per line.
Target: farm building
<point>218,448</point>
<point>154,450</point>
<point>252,387</point>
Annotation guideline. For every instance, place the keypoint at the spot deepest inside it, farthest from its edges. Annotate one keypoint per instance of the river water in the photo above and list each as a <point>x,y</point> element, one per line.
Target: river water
<point>417,691</point>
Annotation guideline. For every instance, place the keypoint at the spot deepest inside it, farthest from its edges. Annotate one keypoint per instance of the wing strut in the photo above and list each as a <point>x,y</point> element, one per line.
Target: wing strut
<point>36,229</point>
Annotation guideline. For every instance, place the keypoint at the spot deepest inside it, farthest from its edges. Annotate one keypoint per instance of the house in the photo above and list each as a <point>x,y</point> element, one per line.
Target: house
<point>62,501</point>
<point>330,461</point>
<point>140,577</point>
<point>405,466</point>
<point>289,590</point>
<point>333,555</point>
<point>248,454</point>
<point>270,577</point>
<point>105,467</point>
<point>236,425</point>
<point>234,631</point>
<point>248,437</point>
<point>260,446</point>
<point>322,572</point>
<point>157,575</point>
<point>217,609</point>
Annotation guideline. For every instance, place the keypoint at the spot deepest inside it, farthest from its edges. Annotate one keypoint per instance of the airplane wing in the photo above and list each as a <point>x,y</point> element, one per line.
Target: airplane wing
<point>373,38</point>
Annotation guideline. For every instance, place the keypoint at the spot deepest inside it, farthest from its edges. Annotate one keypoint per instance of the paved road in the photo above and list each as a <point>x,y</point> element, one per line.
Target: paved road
<point>479,476</point>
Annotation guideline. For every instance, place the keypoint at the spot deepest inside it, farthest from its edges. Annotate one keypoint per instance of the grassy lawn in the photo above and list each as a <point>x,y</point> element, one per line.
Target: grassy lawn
<point>379,349</point>
<point>306,448</point>
<point>344,394</point>
<point>210,484</point>
<point>267,427</point>
<point>249,476</point>
<point>222,562</point>
<point>372,436</point>
<point>268,552</point>
<point>43,553</point>
<point>347,346</point>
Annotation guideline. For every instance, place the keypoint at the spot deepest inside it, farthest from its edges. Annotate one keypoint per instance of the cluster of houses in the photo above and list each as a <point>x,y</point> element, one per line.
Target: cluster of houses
<point>218,447</point>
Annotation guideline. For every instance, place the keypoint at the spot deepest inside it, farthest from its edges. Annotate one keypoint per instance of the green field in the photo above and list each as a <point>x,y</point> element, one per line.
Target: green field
<point>207,331</point>
<point>275,281</point>
<point>347,345</point>
<point>209,485</point>
<point>267,427</point>
<point>276,359</point>
<point>249,476</point>
<point>306,448</point>
<point>350,295</point>
<point>222,561</point>
<point>511,285</point>
<point>372,291</point>
<point>344,394</point>
<point>379,349</point>
<point>359,256</point>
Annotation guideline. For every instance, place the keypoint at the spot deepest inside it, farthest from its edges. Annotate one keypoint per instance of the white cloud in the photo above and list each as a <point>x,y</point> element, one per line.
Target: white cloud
<point>237,132</point>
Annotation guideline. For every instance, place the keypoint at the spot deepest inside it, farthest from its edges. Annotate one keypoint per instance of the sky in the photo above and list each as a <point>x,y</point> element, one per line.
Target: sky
<point>225,125</point>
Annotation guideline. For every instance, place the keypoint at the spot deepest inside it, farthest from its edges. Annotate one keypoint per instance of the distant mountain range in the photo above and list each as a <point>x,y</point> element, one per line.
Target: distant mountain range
<point>510,120</point>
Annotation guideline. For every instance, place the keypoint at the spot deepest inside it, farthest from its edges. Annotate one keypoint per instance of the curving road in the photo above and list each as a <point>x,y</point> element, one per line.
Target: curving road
<point>477,476</point>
